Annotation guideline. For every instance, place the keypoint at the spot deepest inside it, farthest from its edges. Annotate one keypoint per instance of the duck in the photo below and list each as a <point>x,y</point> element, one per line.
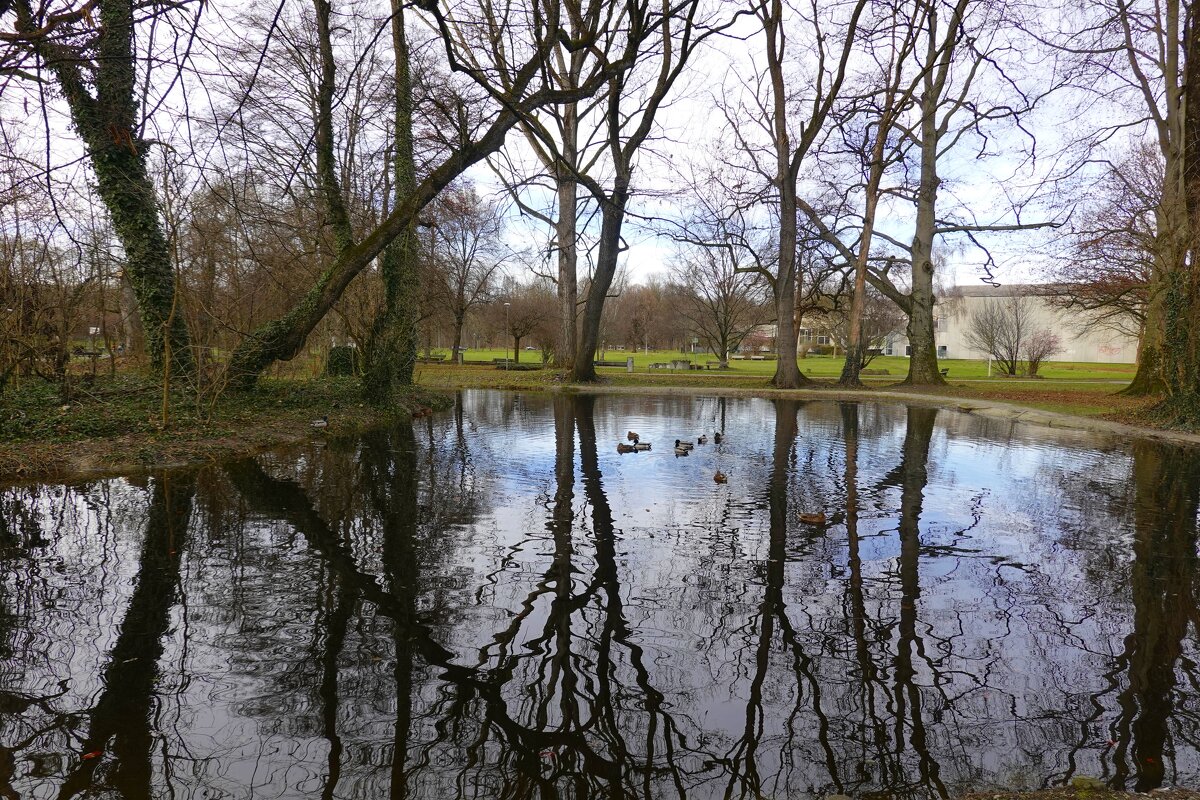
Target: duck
<point>817,518</point>
<point>631,436</point>
<point>680,450</point>
<point>683,445</point>
<point>702,439</point>
<point>625,448</point>
<point>640,446</point>
<point>720,477</point>
<point>717,437</point>
<point>323,422</point>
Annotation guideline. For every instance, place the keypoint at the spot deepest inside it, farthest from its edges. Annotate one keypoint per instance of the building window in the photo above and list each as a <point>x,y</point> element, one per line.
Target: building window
<point>908,349</point>
<point>941,351</point>
<point>937,324</point>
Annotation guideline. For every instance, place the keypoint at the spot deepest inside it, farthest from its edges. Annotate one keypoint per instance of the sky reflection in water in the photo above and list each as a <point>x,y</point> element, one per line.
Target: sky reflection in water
<point>495,603</point>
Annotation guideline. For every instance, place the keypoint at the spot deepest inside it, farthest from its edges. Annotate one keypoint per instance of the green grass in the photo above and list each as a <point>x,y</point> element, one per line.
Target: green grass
<point>831,366</point>
<point>1087,390</point>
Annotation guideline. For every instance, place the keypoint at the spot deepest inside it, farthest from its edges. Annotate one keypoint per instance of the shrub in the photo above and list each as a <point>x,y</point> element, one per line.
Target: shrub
<point>343,360</point>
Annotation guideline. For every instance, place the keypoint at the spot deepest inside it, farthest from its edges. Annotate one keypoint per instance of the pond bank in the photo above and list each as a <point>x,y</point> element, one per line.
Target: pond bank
<point>105,435</point>
<point>115,429</point>
<point>978,407</point>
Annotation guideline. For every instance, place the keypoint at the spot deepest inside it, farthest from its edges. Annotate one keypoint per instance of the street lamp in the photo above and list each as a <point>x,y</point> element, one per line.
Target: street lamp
<point>507,331</point>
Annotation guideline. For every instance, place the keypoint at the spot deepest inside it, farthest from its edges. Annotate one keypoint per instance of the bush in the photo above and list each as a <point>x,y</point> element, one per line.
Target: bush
<point>821,349</point>
<point>343,360</point>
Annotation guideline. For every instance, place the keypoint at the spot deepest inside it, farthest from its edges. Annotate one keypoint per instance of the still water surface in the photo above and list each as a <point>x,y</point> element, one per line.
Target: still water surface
<point>494,603</point>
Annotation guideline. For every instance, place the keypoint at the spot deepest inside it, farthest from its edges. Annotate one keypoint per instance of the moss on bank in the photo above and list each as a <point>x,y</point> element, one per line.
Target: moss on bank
<point>116,425</point>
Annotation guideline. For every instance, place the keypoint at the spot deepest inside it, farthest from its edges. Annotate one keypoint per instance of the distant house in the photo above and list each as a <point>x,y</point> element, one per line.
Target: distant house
<point>1083,339</point>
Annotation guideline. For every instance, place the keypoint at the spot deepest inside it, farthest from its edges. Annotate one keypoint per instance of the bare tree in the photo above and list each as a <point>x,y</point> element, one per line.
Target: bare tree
<point>722,302</point>
<point>530,314</point>
<point>999,327</point>
<point>633,101</point>
<point>1134,57</point>
<point>468,253</point>
<point>881,319</point>
<point>511,76</point>
<point>1040,345</point>
<point>1108,269</point>
<point>831,36</point>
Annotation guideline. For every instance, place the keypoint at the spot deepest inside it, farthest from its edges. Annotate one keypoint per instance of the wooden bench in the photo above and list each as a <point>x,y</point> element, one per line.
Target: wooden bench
<point>608,363</point>
<point>712,364</point>
<point>945,371</point>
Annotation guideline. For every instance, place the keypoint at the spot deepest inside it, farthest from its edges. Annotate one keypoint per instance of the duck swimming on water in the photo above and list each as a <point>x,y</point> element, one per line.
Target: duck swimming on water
<point>720,477</point>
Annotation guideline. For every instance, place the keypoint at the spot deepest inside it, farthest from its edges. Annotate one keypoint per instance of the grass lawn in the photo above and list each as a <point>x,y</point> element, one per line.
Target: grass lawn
<point>1071,388</point>
<point>830,366</point>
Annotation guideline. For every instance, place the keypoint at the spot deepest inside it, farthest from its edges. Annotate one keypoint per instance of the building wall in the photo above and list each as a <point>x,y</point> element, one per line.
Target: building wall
<point>1082,339</point>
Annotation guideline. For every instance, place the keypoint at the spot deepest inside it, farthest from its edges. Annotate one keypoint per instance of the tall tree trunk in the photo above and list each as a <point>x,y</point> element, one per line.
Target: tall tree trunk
<point>1147,380</point>
<point>458,329</point>
<point>392,347</point>
<point>1180,354</point>
<point>567,239</point>
<point>613,217</point>
<point>109,126</point>
<point>922,363</point>
<point>787,371</point>
<point>855,346</point>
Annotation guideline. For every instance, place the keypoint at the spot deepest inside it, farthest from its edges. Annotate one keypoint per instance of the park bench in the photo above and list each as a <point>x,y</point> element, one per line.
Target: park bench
<point>712,364</point>
<point>608,363</point>
<point>945,371</point>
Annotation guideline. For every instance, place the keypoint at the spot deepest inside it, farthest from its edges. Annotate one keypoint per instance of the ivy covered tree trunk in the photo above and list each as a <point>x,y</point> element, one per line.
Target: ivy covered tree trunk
<point>106,118</point>
<point>392,348</point>
<point>1180,289</point>
<point>1147,380</point>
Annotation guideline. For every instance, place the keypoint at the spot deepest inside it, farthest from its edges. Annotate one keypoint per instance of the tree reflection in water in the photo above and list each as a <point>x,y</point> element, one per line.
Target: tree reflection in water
<point>492,603</point>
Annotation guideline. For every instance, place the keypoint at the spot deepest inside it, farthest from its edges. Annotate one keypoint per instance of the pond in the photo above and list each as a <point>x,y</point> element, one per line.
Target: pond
<point>493,602</point>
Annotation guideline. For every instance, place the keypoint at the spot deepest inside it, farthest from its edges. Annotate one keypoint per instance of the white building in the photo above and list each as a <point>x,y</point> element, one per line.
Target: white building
<point>1083,339</point>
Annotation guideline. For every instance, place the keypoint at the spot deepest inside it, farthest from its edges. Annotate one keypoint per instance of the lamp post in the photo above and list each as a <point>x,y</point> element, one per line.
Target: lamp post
<point>506,333</point>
